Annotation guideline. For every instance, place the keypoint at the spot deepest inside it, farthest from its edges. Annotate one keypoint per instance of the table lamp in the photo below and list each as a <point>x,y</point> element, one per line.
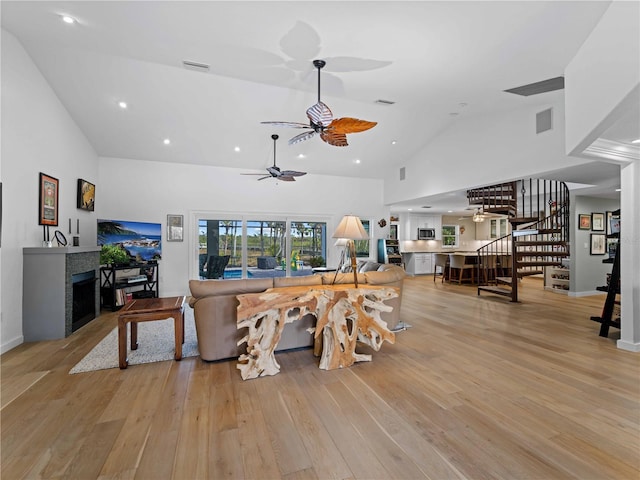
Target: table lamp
<point>350,228</point>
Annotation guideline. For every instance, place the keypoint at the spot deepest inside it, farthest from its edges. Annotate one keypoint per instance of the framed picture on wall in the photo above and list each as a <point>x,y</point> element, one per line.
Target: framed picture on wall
<point>393,232</point>
<point>86,195</point>
<point>598,244</point>
<point>175,228</point>
<point>597,222</point>
<point>48,200</point>
<point>612,223</point>
<point>584,221</point>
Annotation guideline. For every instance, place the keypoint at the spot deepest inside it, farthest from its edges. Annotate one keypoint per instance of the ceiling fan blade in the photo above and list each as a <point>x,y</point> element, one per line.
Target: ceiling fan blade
<point>320,114</point>
<point>333,138</point>
<point>288,124</point>
<point>350,125</point>
<point>302,137</point>
<point>265,177</point>
<point>252,174</point>
<point>286,178</point>
<point>292,173</point>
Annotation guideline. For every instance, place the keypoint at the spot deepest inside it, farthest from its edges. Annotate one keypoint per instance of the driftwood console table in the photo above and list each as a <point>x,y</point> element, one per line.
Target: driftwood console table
<point>344,315</point>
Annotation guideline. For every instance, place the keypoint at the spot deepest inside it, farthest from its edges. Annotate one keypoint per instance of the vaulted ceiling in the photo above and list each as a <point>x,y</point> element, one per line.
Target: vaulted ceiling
<point>436,61</point>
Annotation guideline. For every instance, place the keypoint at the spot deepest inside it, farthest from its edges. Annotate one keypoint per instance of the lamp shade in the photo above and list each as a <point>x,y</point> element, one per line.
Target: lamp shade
<point>350,227</point>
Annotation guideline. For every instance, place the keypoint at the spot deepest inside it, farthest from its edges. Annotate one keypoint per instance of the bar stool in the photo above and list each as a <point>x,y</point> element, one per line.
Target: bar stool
<point>458,262</point>
<point>488,268</point>
<point>442,261</point>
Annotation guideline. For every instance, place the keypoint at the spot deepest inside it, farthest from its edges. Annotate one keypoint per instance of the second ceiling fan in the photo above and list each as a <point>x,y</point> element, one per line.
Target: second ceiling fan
<point>332,130</point>
<point>275,172</point>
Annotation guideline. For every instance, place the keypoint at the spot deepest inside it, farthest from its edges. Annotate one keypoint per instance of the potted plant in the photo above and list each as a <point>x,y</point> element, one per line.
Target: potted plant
<point>113,254</point>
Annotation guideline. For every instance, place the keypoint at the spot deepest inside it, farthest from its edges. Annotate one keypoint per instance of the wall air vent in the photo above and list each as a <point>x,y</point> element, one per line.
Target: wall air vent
<point>402,173</point>
<point>384,102</point>
<point>198,67</point>
<point>544,120</point>
<point>544,86</point>
<point>426,206</point>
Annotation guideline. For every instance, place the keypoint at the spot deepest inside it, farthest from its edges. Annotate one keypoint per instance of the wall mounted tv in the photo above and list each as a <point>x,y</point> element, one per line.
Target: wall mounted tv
<point>142,241</point>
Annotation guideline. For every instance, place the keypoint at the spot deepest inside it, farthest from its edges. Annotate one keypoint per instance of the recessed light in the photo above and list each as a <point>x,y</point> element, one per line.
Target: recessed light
<point>236,149</point>
<point>68,19</point>
<point>449,211</point>
<point>302,155</point>
<point>393,142</point>
<point>166,141</point>
<point>409,209</point>
<point>618,189</point>
<point>122,105</point>
<point>357,160</point>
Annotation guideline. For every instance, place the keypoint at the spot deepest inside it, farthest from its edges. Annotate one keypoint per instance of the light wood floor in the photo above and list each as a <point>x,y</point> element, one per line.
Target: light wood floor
<point>478,388</point>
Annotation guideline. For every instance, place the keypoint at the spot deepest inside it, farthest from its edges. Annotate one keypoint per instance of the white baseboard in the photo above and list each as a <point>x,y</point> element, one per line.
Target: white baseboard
<point>586,294</point>
<point>5,347</point>
<point>631,347</point>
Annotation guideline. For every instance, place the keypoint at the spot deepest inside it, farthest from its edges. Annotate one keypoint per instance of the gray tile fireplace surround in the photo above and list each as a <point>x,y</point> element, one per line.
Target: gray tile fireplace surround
<point>47,291</point>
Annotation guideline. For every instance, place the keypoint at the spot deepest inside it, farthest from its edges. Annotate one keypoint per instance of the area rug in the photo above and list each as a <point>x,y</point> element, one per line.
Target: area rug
<point>155,344</point>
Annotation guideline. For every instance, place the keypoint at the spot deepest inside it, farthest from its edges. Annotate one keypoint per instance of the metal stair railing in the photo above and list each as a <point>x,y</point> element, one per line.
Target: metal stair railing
<point>534,242</point>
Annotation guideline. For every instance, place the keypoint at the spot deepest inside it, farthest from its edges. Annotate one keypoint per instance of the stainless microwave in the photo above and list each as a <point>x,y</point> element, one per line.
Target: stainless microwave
<point>426,234</point>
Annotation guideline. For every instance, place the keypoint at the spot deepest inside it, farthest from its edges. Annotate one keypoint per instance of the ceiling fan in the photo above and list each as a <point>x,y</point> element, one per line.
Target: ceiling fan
<point>479,215</point>
<point>332,130</point>
<point>275,172</point>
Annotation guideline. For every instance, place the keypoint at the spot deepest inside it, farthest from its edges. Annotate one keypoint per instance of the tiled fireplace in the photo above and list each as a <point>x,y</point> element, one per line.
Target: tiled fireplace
<point>60,291</point>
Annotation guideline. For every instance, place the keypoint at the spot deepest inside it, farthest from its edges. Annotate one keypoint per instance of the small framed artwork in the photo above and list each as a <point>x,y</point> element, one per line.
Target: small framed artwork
<point>598,244</point>
<point>612,223</point>
<point>584,221</point>
<point>86,195</point>
<point>48,199</point>
<point>393,232</point>
<point>175,228</point>
<point>597,222</point>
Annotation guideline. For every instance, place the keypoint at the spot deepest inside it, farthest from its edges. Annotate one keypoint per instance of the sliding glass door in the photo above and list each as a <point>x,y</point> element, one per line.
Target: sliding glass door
<point>257,248</point>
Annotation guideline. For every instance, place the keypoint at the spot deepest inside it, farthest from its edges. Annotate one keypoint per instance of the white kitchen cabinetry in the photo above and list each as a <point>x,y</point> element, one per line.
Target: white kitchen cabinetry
<point>492,228</point>
<point>411,222</point>
<point>419,263</point>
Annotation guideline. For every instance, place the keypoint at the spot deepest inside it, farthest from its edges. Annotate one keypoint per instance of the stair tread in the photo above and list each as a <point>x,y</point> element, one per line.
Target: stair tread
<point>497,290</point>
<point>542,253</point>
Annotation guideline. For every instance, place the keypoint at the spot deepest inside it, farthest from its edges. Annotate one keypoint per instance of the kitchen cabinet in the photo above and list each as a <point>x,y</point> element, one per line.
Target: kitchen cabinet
<point>492,228</point>
<point>410,222</point>
<point>419,263</point>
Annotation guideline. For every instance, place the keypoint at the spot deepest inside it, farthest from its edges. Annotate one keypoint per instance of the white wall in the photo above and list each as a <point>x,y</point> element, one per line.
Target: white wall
<point>604,72</point>
<point>147,191</point>
<point>484,150</point>
<point>587,271</point>
<point>38,135</point>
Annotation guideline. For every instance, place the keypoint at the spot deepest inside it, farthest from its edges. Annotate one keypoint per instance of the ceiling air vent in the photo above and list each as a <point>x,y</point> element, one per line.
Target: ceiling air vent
<point>198,67</point>
<point>402,173</point>
<point>384,102</point>
<point>426,206</point>
<point>539,87</point>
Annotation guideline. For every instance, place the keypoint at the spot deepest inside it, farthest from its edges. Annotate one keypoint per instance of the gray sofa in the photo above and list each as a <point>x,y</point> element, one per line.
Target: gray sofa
<point>214,303</point>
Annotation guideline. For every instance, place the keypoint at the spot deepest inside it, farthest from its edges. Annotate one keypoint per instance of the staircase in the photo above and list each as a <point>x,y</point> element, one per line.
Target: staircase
<point>538,211</point>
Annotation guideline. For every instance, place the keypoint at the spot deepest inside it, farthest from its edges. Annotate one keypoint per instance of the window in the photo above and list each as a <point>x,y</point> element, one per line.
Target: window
<point>220,238</point>
<point>261,248</point>
<point>450,235</point>
<point>308,244</point>
<point>362,246</point>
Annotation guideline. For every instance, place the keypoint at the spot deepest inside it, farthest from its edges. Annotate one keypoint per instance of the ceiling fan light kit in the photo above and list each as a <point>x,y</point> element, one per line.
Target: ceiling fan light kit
<point>321,121</point>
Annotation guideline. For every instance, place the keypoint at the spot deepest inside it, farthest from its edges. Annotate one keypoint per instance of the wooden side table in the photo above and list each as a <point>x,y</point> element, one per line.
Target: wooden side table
<point>145,310</point>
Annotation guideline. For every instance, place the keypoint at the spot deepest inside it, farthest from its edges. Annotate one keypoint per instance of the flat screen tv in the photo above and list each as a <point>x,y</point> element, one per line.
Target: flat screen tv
<point>141,240</point>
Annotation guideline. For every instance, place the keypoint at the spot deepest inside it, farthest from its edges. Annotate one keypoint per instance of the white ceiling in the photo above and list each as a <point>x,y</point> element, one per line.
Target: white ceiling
<point>439,61</point>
